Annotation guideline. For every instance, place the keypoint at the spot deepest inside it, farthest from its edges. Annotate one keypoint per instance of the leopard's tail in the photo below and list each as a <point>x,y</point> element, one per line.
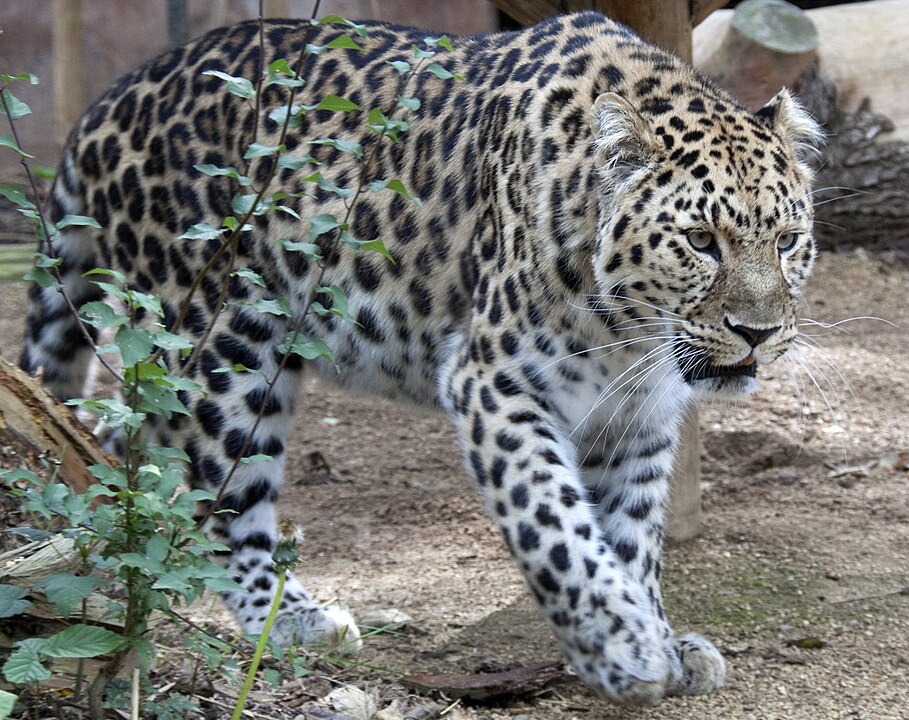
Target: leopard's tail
<point>55,341</point>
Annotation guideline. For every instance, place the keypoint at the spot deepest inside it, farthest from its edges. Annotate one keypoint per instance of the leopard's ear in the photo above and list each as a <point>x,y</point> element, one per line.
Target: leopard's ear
<point>623,139</point>
<point>786,115</point>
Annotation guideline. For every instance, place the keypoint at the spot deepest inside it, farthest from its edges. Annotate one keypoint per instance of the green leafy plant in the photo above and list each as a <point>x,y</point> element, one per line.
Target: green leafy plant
<point>135,532</point>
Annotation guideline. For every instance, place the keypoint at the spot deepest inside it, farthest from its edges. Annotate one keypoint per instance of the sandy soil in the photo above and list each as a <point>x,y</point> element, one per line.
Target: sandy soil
<point>801,573</point>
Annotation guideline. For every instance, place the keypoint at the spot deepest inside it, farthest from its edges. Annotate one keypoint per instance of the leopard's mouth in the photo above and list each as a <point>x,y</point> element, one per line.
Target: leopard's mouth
<point>700,368</point>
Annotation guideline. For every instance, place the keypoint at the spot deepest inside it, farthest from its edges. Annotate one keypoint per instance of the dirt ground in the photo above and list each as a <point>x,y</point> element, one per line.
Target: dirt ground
<point>800,576</point>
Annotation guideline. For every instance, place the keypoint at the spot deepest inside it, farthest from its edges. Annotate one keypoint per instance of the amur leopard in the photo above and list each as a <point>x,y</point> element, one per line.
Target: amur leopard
<point>604,236</point>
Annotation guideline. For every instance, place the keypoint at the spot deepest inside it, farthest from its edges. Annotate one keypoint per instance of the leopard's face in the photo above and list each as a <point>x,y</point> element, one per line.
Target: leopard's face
<point>708,244</point>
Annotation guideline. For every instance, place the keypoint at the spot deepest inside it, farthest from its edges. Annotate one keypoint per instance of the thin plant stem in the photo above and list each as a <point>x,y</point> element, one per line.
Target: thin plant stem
<point>260,648</point>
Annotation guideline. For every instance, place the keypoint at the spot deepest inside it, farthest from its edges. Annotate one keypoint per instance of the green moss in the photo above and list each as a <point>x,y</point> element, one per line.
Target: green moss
<point>743,592</point>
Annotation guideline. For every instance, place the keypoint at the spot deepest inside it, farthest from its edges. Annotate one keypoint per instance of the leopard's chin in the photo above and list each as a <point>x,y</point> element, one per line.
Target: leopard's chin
<point>728,387</point>
<point>712,380</point>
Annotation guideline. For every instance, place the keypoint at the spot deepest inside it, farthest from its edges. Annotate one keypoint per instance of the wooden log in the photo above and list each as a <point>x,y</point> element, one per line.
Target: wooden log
<point>768,45</point>
<point>38,420</point>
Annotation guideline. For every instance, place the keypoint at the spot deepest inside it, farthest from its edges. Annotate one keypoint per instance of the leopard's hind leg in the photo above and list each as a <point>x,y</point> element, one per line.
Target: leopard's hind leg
<point>242,415</point>
<point>54,341</point>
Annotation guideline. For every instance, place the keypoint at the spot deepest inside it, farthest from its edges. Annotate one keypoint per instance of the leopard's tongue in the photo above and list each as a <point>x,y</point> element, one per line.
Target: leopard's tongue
<point>745,362</point>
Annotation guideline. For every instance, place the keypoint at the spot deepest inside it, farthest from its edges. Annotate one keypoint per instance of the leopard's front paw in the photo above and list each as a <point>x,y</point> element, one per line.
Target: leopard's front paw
<point>701,667</point>
<point>331,627</point>
<point>621,653</point>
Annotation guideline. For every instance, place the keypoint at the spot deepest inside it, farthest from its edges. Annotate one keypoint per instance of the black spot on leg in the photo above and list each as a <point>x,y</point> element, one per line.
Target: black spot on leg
<point>545,516</point>
<point>548,582</point>
<point>210,417</point>
<point>497,471</point>
<point>558,556</point>
<point>519,496</point>
<point>627,551</point>
<point>528,537</point>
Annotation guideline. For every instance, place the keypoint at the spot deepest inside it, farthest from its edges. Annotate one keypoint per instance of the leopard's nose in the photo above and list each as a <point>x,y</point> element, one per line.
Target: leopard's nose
<point>753,336</point>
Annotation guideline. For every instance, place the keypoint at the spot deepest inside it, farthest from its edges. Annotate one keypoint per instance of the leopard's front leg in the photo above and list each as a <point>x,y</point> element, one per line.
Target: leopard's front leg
<point>527,473</point>
<point>625,467</point>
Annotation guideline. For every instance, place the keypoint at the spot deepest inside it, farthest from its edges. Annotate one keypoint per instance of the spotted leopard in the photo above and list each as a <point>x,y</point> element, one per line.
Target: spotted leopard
<point>604,236</point>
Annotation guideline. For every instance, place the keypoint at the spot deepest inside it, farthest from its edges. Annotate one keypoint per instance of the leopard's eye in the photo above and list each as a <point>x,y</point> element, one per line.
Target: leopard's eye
<point>703,241</point>
<point>786,241</point>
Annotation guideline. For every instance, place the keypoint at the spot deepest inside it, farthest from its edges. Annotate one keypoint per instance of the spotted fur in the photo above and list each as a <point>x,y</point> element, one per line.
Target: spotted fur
<point>604,235</point>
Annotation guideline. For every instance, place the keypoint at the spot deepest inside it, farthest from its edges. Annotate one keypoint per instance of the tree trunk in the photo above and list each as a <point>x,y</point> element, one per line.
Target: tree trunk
<point>69,89</point>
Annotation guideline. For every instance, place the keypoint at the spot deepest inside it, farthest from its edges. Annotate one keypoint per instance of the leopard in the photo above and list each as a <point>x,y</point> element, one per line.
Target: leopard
<point>603,238</point>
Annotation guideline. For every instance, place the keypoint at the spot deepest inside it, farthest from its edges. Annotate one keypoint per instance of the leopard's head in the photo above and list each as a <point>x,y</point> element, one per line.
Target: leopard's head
<point>706,237</point>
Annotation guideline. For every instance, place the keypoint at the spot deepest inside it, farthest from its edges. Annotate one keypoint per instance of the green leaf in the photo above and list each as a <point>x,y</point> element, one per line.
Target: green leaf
<point>170,341</point>
<point>202,231</point>
<point>115,274</point>
<point>312,251</point>
<point>294,162</point>
<point>77,220</point>
<point>281,73</point>
<point>82,641</point>
<point>439,71</point>
<point>8,141</point>
<point>343,42</point>
<point>113,412</point>
<point>243,204</point>
<point>250,275</point>
<point>278,306</point>
<point>420,54</point>
<point>41,277</point>
<point>161,399</point>
<point>371,245</point>
<point>12,600</point>
<point>401,66</point>
<point>24,664</point>
<point>321,224</point>
<point>140,562</point>
<point>223,584</point>
<point>17,108</point>
<point>329,186</point>
<point>67,591</point>
<point>215,171</point>
<point>346,146</point>
<point>7,702</point>
<point>396,186</point>
<point>15,194</point>
<point>443,42</point>
<point>297,344</point>
<point>336,104</point>
<point>256,150</point>
<point>281,67</point>
<point>333,19</point>
<point>409,103</point>
<point>272,677</point>
<point>157,548</point>
<point>288,211</point>
<point>32,79</point>
<point>101,315</point>
<point>239,86</point>
<point>338,302</point>
<point>134,344</point>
